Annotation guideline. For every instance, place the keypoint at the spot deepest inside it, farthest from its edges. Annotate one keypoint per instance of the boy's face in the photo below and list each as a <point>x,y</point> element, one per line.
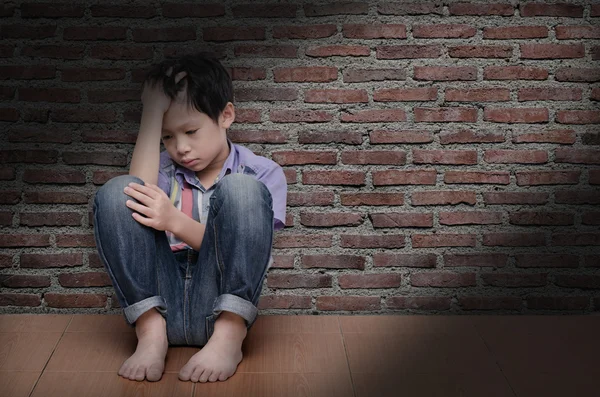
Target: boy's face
<point>193,140</point>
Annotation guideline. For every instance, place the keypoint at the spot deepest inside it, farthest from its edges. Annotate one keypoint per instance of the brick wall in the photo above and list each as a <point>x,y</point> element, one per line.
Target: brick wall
<point>442,157</point>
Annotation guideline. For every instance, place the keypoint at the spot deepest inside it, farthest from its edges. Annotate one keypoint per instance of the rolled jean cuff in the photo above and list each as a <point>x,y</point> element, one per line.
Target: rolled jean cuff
<point>132,312</point>
<point>237,305</point>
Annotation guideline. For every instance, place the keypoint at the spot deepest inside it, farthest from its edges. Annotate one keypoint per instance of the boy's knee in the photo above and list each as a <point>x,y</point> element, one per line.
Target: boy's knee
<point>113,190</point>
<point>243,186</point>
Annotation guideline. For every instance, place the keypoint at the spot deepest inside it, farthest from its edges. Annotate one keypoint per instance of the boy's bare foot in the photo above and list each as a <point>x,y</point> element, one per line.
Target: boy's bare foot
<point>219,358</point>
<point>148,361</point>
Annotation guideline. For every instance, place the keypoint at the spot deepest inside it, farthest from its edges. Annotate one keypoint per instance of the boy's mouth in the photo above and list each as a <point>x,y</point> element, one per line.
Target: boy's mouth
<point>189,162</point>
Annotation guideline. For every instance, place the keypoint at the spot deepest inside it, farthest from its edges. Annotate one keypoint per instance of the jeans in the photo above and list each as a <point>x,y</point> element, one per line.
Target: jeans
<point>188,288</point>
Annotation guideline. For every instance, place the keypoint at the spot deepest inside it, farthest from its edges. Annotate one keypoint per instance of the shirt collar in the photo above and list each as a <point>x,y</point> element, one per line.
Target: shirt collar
<point>190,176</point>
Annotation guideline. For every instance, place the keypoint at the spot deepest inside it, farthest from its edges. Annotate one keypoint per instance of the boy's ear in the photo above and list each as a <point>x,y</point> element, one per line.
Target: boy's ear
<point>227,115</point>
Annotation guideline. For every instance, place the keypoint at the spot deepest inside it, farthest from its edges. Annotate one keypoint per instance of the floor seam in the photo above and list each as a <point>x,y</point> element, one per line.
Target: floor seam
<point>50,357</point>
<point>346,354</point>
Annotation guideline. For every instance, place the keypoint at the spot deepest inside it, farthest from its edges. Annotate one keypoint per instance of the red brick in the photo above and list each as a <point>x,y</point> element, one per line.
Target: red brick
<point>75,300</point>
<point>578,116</point>
<point>385,199</point>
<point>490,302</point>
<point>317,74</point>
<point>558,302</point>
<point>372,241</point>
<point>7,174</point>
<point>5,261</point>
<point>75,240</point>
<point>53,197</point>
<point>481,9</point>
<point>247,73</point>
<point>405,94</point>
<point>87,279</point>
<point>333,177</point>
<point>283,261</point>
<point>256,136</point>
<point>92,74</point>
<point>445,115</point>
<point>54,176</point>
<point>470,218</point>
<point>168,34</point>
<point>594,177</point>
<point>541,218</point>
<point>9,299</point>
<point>296,116</point>
<point>400,136</point>
<point>262,10</point>
<point>50,219</point>
<point>577,156</point>
<point>494,260</point>
<point>444,31</point>
<point>59,95</point>
<point>549,136</point>
<point>445,73</point>
<point>364,157</point>
<point>528,178</point>
<point>514,73</point>
<point>97,157</point>
<point>477,177</point>
<point>101,177</point>
<point>51,10</point>
<point>515,156</point>
<point>550,94</point>
<point>404,8</point>
<point>24,240</point>
<point>121,52</point>
<point>514,239</point>
<point>50,135</point>
<point>302,31</point>
<point>374,116</point>
<point>587,218</point>
<point>333,261</point>
<point>409,51</point>
<point>515,115</point>
<point>456,157</point>
<point>349,8</point>
<point>419,302</point>
<point>349,303</point>
<point>268,51</point>
<point>278,280</point>
<point>440,197</point>
<point>539,9</point>
<point>94,33</point>
<point>302,240</point>
<point>24,281</point>
<point>347,137</point>
<point>373,31</point>
<point>515,198</point>
<point>385,280</point>
<point>41,261</point>
<point>404,260</point>
<point>477,95</point>
<point>293,157</point>
<point>576,197</point>
<point>575,239</point>
<point>515,32</point>
<point>6,218</point>
<point>380,74</point>
<point>309,198</point>
<point>20,31</point>
<point>401,177</point>
<point>29,156</point>
<point>401,219</point>
<point>284,302</point>
<point>443,240</point>
<point>338,50</point>
<point>174,10</point>
<point>552,51</point>
<point>54,51</point>
<point>320,219</point>
<point>480,51</point>
<point>443,279</point>
<point>334,95</point>
<point>577,74</point>
<point>265,94</point>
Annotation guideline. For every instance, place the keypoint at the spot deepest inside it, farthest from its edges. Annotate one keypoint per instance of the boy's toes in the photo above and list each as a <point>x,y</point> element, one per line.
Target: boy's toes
<point>140,374</point>
<point>154,373</point>
<point>214,377</point>
<point>195,377</point>
<point>205,375</point>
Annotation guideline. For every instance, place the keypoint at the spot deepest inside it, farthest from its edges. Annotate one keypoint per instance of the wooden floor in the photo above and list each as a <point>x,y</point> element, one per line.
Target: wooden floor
<point>328,356</point>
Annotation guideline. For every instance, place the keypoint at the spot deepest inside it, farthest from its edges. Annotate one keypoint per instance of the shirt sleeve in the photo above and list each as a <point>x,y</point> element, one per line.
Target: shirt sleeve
<point>164,180</point>
<point>275,180</point>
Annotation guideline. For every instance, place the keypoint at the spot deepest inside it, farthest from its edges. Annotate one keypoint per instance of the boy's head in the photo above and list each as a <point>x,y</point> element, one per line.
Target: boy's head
<point>194,126</point>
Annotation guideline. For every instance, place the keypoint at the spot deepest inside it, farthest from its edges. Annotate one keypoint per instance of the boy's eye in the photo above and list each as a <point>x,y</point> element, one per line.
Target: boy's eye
<point>166,137</point>
<point>191,132</point>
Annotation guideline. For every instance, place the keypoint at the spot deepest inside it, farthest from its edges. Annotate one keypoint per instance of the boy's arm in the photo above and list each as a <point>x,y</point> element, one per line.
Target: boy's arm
<point>188,230</point>
<point>146,153</point>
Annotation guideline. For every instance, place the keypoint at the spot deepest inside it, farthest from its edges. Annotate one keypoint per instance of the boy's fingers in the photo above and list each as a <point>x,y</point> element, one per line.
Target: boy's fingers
<point>137,207</point>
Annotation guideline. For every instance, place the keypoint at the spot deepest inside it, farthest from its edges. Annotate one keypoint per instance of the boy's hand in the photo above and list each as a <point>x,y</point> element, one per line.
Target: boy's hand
<point>153,95</point>
<point>153,203</point>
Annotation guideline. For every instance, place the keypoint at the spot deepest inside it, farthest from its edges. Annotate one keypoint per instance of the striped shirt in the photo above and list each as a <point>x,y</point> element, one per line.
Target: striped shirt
<point>189,196</point>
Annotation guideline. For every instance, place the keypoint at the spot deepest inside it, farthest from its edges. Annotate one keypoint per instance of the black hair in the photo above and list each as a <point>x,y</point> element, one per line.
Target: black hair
<point>209,86</point>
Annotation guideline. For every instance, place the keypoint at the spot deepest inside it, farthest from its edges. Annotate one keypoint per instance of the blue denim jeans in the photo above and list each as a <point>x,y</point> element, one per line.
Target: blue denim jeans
<point>189,288</point>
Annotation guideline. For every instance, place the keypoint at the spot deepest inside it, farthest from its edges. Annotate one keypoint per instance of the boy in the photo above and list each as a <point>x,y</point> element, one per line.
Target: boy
<point>186,237</point>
